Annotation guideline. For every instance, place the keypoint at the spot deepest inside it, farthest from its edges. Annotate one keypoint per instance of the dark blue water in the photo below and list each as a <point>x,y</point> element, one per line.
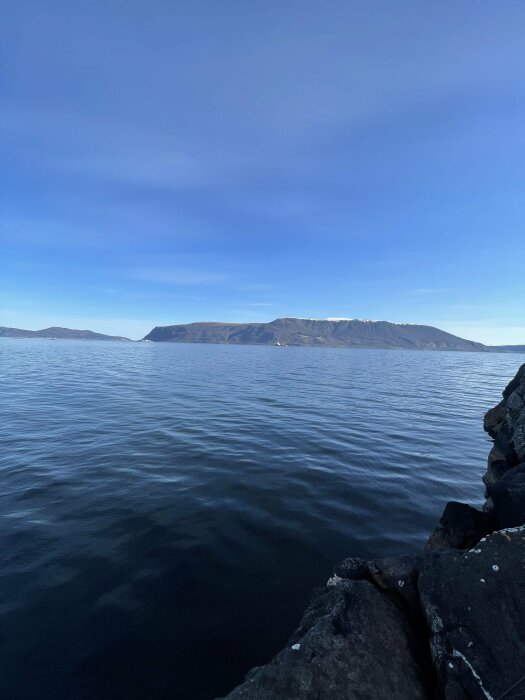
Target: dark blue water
<point>166,509</point>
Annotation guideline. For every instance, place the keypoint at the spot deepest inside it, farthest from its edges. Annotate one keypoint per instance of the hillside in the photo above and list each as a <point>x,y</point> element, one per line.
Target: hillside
<point>56,332</point>
<point>508,348</point>
<point>314,332</point>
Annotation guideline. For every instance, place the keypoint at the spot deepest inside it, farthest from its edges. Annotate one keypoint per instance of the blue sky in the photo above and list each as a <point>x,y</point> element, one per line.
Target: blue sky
<point>166,162</point>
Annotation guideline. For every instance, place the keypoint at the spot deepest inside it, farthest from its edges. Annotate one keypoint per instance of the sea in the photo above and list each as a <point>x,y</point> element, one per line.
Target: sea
<point>167,509</point>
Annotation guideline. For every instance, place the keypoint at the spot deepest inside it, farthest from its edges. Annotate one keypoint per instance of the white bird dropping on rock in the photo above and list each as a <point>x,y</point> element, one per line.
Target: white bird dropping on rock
<point>296,647</point>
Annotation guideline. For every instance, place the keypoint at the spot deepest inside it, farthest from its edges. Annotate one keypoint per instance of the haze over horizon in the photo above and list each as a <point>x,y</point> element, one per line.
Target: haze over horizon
<point>174,162</point>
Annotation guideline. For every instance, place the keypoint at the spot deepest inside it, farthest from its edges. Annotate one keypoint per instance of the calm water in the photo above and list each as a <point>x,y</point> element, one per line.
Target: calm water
<point>166,509</point>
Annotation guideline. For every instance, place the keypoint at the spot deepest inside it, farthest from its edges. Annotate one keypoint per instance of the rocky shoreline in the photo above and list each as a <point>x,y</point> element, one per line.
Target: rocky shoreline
<point>447,623</point>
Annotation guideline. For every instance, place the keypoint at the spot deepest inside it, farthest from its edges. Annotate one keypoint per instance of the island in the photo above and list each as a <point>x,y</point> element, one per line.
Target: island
<point>330,332</point>
<point>56,333</point>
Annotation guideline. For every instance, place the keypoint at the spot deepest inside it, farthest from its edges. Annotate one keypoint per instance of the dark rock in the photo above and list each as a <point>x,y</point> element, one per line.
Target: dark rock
<point>515,383</point>
<point>506,424</point>
<point>498,463</point>
<point>462,526</point>
<point>353,568</point>
<point>355,642</point>
<point>474,603</point>
<point>502,456</point>
<point>508,497</point>
<point>494,418</point>
<point>399,575</point>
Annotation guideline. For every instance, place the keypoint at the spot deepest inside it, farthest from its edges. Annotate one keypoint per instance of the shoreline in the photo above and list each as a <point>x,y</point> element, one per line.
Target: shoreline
<point>446,623</point>
<point>491,350</point>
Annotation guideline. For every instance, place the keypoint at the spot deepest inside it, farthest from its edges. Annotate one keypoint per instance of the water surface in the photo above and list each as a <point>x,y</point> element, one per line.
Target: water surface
<point>166,509</point>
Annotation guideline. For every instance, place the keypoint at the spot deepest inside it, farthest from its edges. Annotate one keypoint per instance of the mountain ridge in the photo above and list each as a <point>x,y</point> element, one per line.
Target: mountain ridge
<point>318,333</point>
<point>57,332</point>
<point>307,332</point>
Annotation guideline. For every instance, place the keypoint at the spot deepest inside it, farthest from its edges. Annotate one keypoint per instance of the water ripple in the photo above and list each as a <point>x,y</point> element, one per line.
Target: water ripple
<point>167,508</point>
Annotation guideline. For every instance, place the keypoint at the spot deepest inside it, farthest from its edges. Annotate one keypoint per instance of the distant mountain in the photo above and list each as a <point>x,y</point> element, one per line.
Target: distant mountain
<point>330,332</point>
<point>55,332</point>
<point>508,348</point>
<point>316,332</point>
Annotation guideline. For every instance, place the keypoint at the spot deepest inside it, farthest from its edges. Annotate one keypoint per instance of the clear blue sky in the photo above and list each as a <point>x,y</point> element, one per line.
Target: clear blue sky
<point>168,161</point>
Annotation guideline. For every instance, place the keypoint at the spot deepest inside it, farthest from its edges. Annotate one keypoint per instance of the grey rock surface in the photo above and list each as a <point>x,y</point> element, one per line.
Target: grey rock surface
<point>398,575</point>
<point>354,642</point>
<point>474,604</point>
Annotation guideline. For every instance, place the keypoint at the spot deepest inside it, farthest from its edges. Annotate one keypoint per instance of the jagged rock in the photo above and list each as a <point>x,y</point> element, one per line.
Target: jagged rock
<point>494,418</point>
<point>400,575</point>
<point>474,603</point>
<point>518,437</point>
<point>508,497</point>
<point>506,424</point>
<point>497,464</point>
<point>515,403</point>
<point>397,575</point>
<point>461,526</point>
<point>352,568</point>
<point>355,642</point>
<point>502,456</point>
<point>518,382</point>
